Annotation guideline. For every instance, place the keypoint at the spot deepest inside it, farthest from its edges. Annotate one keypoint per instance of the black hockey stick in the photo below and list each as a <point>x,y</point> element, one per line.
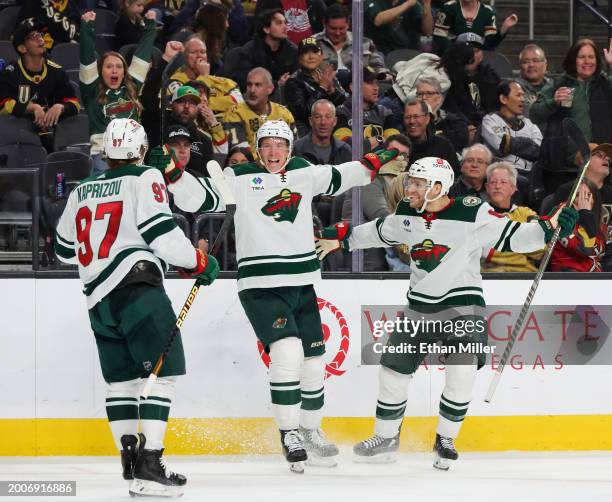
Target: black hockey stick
<point>575,134</point>
<point>214,169</point>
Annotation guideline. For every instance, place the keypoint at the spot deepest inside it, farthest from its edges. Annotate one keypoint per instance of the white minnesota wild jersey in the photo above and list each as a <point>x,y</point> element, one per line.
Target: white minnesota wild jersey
<point>446,246</point>
<point>115,219</point>
<point>273,220</point>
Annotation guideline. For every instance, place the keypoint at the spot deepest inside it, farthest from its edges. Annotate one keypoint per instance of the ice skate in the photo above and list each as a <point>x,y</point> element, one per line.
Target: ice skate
<point>152,477</point>
<point>377,450</point>
<point>128,455</point>
<point>321,453</point>
<point>444,451</point>
<point>293,449</point>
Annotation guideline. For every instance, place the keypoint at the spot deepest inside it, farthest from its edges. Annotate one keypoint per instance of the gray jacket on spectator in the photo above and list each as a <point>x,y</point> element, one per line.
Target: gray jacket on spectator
<point>371,57</point>
<point>517,141</point>
<point>339,151</point>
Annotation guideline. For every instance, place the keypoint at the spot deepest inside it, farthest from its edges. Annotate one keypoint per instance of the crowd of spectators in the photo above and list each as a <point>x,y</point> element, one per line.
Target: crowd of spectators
<point>203,76</point>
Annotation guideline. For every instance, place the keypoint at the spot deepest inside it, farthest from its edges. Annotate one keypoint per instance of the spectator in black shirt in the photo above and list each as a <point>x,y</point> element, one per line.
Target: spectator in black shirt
<point>310,83</point>
<point>417,117</point>
<point>61,20</point>
<point>474,163</point>
<point>473,90</point>
<point>269,49</point>
<point>130,24</point>
<point>34,86</point>
<point>319,146</point>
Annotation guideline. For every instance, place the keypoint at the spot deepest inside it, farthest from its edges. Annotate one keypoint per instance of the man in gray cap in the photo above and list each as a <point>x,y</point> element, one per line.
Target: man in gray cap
<point>474,86</point>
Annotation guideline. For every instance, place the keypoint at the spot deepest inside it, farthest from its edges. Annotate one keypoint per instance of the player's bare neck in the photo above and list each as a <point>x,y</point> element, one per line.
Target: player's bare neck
<point>438,205</point>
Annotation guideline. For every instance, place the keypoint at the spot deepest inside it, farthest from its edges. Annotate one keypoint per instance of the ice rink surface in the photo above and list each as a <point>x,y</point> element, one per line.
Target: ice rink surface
<point>508,476</point>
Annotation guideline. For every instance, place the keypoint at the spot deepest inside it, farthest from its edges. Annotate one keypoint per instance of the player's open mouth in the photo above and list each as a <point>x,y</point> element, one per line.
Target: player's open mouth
<point>114,81</point>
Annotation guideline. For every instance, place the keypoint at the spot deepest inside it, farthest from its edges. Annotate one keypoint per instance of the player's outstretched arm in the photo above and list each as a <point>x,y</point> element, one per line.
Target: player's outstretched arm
<point>379,233</point>
<point>499,233</point>
<point>338,179</point>
<point>565,217</point>
<point>191,194</point>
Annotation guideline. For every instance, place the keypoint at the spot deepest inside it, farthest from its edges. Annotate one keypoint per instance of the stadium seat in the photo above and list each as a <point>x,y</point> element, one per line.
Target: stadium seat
<point>73,75</point>
<point>18,197</point>
<point>173,65</point>
<point>17,130</point>
<point>16,191</point>
<point>7,51</point>
<point>547,204</point>
<point>498,62</point>
<point>127,51</point>
<point>75,166</point>
<point>105,21</point>
<point>400,55</point>
<point>66,55</point>
<point>8,21</point>
<point>72,131</point>
<point>77,90</point>
<point>183,223</point>
<point>105,42</point>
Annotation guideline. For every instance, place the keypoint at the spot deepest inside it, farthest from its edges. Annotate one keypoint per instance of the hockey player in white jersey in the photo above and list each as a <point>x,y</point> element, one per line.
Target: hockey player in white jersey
<point>277,266</point>
<point>446,237</point>
<point>118,228</point>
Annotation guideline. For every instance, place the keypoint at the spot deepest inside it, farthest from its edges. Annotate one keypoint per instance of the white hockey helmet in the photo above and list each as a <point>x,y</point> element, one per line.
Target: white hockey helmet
<point>124,139</point>
<point>275,129</point>
<point>434,170</point>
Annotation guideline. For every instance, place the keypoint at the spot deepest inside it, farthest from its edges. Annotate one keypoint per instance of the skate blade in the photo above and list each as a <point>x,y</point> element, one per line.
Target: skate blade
<point>442,464</point>
<point>379,458</point>
<point>297,467</point>
<point>315,460</point>
<point>144,488</point>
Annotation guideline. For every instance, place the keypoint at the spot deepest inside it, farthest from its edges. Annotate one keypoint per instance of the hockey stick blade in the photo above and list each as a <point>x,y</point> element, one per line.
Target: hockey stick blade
<point>573,131</point>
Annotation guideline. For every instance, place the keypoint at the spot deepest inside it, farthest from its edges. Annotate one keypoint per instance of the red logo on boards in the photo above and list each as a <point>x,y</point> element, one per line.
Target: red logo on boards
<point>336,334</point>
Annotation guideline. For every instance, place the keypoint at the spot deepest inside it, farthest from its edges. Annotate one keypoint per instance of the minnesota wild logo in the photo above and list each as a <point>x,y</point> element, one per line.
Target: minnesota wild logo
<point>284,206</point>
<point>427,255</point>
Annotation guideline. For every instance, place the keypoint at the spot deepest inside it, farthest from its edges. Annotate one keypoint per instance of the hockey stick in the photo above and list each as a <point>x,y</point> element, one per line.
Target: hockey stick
<point>573,131</point>
<point>214,169</point>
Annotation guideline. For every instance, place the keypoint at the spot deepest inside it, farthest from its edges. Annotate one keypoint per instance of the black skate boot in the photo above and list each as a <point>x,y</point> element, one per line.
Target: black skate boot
<point>128,455</point>
<point>444,450</point>
<point>293,449</point>
<point>152,477</point>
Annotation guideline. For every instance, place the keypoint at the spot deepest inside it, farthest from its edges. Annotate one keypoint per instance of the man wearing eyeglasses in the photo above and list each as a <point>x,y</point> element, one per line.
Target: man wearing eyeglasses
<point>474,162</point>
<point>533,73</point>
<point>417,116</point>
